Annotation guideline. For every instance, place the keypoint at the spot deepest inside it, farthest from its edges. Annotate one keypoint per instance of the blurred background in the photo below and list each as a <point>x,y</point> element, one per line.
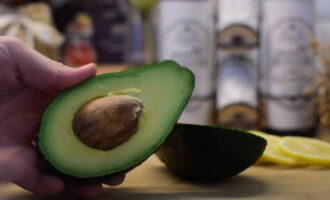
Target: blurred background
<point>259,64</point>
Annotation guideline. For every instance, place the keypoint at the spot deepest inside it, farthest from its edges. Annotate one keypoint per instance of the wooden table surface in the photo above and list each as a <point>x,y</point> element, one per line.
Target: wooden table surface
<point>101,69</point>
<point>152,181</point>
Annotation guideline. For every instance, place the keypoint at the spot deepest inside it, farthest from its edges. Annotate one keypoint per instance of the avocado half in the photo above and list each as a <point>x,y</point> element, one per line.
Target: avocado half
<point>164,89</point>
<point>208,153</point>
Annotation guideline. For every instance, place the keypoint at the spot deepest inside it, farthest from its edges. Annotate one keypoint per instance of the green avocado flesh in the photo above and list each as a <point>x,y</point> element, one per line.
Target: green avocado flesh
<point>164,89</point>
<point>209,153</point>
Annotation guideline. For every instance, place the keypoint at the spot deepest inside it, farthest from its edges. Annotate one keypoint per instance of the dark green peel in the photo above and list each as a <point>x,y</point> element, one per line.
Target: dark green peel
<point>210,153</point>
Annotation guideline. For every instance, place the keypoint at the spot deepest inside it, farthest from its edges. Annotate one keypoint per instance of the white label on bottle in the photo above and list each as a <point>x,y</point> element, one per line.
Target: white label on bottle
<point>185,34</point>
<point>290,58</point>
<point>289,63</point>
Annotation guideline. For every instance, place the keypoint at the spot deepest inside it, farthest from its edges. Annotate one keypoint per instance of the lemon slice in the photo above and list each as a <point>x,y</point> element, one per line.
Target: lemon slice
<point>308,150</point>
<point>273,154</point>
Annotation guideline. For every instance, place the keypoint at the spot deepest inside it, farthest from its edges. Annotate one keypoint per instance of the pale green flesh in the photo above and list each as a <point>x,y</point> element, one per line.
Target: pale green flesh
<point>164,91</point>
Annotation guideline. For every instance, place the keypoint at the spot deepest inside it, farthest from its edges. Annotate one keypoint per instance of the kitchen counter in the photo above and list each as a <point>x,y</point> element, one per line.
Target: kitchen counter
<point>152,180</point>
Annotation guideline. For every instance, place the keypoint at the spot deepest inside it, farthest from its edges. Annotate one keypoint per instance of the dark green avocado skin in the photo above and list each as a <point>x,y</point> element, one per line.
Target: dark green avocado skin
<point>205,153</point>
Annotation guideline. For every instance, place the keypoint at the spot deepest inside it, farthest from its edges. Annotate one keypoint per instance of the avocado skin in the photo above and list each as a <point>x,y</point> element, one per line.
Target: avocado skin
<point>205,153</point>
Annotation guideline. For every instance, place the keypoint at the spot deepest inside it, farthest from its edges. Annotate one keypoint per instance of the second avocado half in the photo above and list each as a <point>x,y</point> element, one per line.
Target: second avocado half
<point>156,95</point>
<point>206,153</point>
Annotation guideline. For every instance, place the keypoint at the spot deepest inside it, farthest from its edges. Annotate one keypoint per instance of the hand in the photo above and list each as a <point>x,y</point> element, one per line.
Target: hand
<point>28,83</point>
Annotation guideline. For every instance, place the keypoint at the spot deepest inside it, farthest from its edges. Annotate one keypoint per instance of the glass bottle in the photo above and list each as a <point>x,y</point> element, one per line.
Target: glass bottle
<point>288,67</point>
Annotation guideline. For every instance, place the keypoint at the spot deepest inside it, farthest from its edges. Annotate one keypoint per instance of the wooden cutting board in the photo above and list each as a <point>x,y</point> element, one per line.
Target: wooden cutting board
<point>152,181</point>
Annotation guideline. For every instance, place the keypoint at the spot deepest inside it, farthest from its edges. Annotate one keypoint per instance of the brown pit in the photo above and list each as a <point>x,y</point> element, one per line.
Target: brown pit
<point>107,122</point>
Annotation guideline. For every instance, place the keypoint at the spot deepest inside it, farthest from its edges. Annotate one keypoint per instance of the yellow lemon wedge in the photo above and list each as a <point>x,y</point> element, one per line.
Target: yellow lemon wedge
<point>308,150</point>
<point>273,154</point>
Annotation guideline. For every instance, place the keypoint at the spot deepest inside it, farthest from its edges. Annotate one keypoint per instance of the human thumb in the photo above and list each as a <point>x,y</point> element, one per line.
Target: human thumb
<point>40,72</point>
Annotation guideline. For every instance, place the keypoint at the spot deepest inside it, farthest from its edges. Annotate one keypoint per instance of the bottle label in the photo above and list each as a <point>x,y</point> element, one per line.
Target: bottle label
<point>291,58</point>
<point>290,71</point>
<point>188,38</point>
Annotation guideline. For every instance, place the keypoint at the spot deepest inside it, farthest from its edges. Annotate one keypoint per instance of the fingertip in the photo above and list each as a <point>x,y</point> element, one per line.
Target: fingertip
<point>115,180</point>
<point>69,76</point>
<point>84,191</point>
<point>89,69</point>
<point>49,185</point>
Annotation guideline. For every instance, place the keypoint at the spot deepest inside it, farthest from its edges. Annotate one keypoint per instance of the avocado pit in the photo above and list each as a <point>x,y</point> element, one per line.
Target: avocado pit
<point>107,122</point>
